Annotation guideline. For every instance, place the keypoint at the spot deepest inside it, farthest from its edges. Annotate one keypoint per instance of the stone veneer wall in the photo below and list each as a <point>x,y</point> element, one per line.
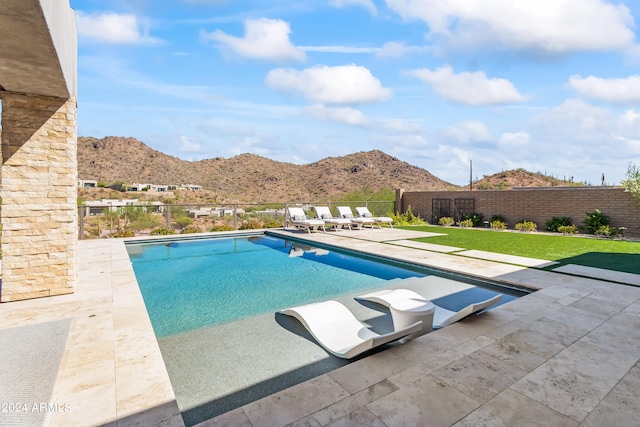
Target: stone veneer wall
<point>39,177</point>
<point>536,204</point>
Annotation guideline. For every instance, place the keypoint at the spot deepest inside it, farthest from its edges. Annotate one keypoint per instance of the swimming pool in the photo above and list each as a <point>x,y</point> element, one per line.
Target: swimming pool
<point>192,284</point>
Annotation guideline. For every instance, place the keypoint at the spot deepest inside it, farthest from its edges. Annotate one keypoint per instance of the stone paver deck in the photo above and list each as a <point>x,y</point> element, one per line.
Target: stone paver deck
<point>566,355</point>
<point>599,273</point>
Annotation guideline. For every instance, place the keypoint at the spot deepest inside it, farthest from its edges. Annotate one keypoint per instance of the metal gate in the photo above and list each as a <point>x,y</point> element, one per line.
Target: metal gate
<point>463,206</point>
<point>440,208</point>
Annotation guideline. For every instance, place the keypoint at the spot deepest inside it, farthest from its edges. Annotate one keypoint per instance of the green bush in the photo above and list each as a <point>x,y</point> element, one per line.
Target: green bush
<point>476,218</point>
<point>526,226</point>
<point>223,227</point>
<point>250,224</point>
<point>183,221</point>
<point>498,225</point>
<point>631,183</point>
<point>497,218</point>
<point>407,218</point>
<point>190,230</point>
<point>162,231</point>
<point>446,221</point>
<point>595,220</point>
<point>567,229</point>
<point>465,223</point>
<point>272,224</point>
<point>558,221</point>
<point>122,232</point>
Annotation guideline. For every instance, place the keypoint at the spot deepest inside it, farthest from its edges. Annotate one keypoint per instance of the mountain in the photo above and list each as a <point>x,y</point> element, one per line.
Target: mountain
<point>248,177</point>
<point>507,180</point>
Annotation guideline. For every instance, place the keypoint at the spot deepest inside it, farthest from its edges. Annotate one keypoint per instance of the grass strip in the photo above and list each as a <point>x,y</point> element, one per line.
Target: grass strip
<point>619,255</point>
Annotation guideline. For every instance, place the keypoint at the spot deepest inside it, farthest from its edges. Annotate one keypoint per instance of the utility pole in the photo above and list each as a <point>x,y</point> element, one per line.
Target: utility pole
<point>470,175</point>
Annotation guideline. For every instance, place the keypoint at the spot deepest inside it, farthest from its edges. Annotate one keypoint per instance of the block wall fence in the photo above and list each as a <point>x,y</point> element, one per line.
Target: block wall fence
<point>534,204</point>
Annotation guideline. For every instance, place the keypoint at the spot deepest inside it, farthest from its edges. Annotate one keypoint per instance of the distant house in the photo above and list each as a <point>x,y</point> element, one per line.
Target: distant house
<point>97,207</point>
<point>191,187</point>
<point>87,183</point>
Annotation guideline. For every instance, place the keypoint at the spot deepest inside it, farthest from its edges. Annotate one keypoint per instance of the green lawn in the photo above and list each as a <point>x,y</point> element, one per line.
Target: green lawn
<point>620,255</point>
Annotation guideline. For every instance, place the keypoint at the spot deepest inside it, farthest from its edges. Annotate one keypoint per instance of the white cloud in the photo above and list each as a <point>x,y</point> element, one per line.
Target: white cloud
<point>467,132</point>
<point>628,130</point>
<point>344,84</point>
<point>625,90</point>
<point>469,88</point>
<point>187,145</point>
<point>265,39</point>
<point>338,49</point>
<point>549,26</point>
<point>514,139</point>
<point>367,4</point>
<point>114,28</point>
<point>346,115</point>
<point>396,50</point>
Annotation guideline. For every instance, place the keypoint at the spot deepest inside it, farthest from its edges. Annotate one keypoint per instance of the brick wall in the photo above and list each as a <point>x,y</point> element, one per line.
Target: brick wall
<point>39,177</point>
<point>537,204</point>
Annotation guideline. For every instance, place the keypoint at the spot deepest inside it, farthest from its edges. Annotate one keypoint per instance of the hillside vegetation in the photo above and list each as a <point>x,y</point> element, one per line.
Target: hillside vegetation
<point>252,178</point>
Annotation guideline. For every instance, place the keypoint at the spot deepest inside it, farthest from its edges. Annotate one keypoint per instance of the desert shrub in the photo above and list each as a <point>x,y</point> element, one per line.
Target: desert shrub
<point>476,218</point>
<point>446,221</point>
<point>498,218</point>
<point>122,232</point>
<point>465,223</point>
<point>595,220</point>
<point>183,221</point>
<point>407,218</point>
<point>558,221</point>
<point>190,230</point>
<point>498,225</point>
<point>526,226</point>
<point>567,229</point>
<point>607,231</point>
<point>272,223</point>
<point>162,231</point>
<point>250,224</point>
<point>222,227</point>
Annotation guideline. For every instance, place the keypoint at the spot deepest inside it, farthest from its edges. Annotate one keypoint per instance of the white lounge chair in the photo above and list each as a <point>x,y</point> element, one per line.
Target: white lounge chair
<point>442,317</point>
<point>324,213</point>
<point>336,329</point>
<point>364,213</point>
<point>299,220</point>
<point>359,222</point>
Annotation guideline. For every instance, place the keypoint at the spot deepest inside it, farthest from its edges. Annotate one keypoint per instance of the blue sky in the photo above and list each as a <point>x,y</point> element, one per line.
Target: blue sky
<point>549,86</point>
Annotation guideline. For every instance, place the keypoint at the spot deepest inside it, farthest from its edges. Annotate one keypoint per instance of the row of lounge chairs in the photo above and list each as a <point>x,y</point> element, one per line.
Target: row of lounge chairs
<point>336,329</point>
<point>345,219</point>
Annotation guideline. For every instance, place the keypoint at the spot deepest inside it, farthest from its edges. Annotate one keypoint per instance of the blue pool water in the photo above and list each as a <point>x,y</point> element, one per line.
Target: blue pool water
<point>192,284</point>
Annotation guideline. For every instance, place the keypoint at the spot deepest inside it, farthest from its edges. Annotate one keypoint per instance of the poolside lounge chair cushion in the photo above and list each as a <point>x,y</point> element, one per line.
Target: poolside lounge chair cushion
<point>364,213</point>
<point>442,317</point>
<point>299,217</point>
<point>336,329</point>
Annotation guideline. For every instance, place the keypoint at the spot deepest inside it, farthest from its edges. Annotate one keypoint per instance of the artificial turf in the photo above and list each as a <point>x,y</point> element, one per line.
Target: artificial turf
<point>619,255</point>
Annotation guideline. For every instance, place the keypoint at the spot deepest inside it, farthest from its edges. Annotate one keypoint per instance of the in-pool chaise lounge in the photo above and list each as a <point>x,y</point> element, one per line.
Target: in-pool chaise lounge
<point>299,220</point>
<point>363,212</point>
<point>442,317</point>
<point>324,213</point>
<point>336,329</point>
<point>359,222</point>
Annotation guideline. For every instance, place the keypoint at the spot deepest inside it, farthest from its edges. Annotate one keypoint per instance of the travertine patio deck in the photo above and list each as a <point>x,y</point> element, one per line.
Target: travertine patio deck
<point>565,355</point>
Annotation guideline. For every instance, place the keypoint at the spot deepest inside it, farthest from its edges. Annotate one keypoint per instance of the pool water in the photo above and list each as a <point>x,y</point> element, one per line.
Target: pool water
<point>188,285</point>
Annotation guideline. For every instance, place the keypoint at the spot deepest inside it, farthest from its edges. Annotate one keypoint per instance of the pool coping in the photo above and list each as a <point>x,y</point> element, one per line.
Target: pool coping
<point>112,371</point>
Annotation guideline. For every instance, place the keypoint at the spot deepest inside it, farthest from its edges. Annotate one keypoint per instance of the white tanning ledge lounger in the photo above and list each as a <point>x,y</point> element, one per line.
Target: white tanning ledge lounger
<point>441,318</point>
<point>336,329</point>
<point>359,222</point>
<point>324,213</point>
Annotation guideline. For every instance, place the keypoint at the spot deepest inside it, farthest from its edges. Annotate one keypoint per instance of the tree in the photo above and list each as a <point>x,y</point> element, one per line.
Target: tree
<point>631,183</point>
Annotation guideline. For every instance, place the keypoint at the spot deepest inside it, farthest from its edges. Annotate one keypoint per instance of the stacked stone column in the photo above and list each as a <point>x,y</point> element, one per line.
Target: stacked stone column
<point>39,196</point>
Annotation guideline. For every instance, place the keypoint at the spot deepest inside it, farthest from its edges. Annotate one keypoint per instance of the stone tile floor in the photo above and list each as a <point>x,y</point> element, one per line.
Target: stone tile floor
<point>567,354</point>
